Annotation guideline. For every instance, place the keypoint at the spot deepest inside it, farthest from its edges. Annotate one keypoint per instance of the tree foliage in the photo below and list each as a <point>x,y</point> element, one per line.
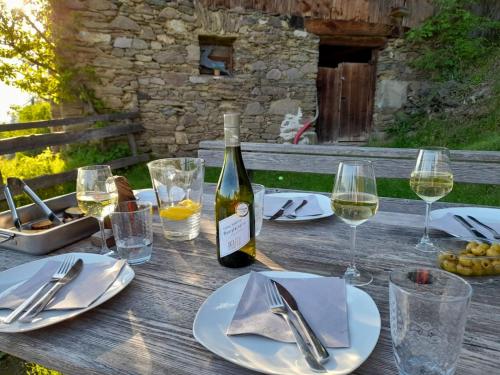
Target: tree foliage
<point>455,38</point>
<point>29,57</point>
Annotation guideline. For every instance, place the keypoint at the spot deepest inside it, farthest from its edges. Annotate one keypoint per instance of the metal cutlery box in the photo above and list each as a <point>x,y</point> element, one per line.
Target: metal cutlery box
<point>40,242</point>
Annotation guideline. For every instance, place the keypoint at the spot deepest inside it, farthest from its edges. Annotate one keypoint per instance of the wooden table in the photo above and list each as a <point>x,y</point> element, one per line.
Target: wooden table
<point>147,328</point>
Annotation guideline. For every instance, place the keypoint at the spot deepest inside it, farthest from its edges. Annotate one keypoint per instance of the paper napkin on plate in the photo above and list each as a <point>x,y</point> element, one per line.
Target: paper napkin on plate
<point>449,224</point>
<point>91,283</point>
<point>322,301</point>
<point>273,203</point>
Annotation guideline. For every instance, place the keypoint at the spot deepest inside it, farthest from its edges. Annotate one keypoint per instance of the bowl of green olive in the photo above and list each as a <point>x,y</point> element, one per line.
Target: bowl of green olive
<point>468,257</point>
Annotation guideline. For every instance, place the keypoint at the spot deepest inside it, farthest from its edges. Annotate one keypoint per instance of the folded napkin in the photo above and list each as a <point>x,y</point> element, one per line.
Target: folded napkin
<point>449,224</point>
<point>273,203</point>
<point>322,301</point>
<point>90,284</point>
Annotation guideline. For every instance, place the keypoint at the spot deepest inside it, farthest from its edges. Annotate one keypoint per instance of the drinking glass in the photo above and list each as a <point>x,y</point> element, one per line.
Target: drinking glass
<point>132,224</point>
<point>355,200</point>
<point>431,180</point>
<point>178,184</point>
<point>97,196</point>
<point>428,310</point>
<point>258,205</point>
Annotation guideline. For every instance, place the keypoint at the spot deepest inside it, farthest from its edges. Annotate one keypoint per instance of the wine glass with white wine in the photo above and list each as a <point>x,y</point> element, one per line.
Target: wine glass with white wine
<point>355,200</point>
<point>431,180</point>
<point>97,195</point>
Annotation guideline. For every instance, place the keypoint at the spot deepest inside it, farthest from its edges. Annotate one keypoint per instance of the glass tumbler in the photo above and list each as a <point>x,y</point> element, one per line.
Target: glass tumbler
<point>132,224</point>
<point>178,185</point>
<point>428,311</point>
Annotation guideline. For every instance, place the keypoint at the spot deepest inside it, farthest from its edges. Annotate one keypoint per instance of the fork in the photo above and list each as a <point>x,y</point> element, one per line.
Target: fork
<point>68,261</point>
<point>276,305</point>
<point>293,215</point>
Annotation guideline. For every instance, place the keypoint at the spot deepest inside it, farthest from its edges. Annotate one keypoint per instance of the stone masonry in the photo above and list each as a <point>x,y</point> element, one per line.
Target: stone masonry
<point>146,54</point>
<point>400,90</point>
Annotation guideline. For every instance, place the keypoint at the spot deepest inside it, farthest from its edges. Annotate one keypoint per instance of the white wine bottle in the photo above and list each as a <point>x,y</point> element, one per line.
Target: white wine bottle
<point>234,203</point>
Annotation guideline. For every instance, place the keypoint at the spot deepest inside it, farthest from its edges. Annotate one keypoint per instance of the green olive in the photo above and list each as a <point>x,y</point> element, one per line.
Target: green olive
<point>463,270</point>
<point>471,245</point>
<point>487,266</point>
<point>449,265</point>
<point>465,260</point>
<point>479,250</point>
<point>496,269</point>
<point>477,268</point>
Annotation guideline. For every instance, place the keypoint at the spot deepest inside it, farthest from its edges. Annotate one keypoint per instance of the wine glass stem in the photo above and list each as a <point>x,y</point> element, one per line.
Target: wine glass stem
<point>104,245</point>
<point>352,265</point>
<point>427,212</point>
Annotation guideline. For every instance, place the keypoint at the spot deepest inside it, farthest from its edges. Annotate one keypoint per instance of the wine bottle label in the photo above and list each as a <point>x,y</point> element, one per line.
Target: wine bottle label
<point>234,231</point>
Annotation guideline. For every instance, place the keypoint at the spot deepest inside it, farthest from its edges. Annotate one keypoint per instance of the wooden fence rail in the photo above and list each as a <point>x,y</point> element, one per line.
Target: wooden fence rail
<point>482,167</point>
<point>30,142</point>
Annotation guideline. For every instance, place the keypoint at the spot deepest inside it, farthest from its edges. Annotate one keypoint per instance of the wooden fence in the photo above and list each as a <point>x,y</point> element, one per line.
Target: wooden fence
<point>121,124</point>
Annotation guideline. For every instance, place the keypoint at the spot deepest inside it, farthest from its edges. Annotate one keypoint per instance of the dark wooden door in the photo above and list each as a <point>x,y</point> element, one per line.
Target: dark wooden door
<point>345,102</point>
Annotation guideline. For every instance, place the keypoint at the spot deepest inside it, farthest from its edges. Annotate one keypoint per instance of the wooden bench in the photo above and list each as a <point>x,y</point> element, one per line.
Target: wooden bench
<point>120,125</point>
<point>482,167</point>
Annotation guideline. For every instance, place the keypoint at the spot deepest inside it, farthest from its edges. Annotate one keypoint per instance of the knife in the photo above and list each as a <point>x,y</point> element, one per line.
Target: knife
<point>281,210</point>
<point>318,348</point>
<point>470,228</point>
<point>39,305</point>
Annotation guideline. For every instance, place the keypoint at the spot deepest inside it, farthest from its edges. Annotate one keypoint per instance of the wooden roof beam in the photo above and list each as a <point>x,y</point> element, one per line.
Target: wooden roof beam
<point>347,28</point>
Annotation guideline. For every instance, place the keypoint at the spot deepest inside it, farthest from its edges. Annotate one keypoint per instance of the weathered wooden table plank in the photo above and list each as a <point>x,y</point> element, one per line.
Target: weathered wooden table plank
<point>147,329</point>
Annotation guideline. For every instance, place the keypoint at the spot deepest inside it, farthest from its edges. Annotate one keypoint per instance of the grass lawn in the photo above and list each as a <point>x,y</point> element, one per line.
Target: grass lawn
<point>387,187</point>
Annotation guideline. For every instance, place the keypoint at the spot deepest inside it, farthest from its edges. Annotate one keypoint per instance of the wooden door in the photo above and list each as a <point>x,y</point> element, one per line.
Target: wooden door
<point>345,102</point>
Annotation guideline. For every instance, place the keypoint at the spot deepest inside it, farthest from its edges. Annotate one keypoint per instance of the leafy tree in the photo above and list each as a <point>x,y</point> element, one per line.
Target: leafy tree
<point>29,57</point>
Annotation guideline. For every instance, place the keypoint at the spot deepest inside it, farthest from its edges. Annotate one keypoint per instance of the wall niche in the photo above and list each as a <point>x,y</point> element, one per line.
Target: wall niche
<point>216,55</point>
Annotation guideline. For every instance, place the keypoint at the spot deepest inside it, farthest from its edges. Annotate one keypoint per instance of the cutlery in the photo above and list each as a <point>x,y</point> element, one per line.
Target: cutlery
<point>281,210</point>
<point>277,307</point>
<point>39,305</point>
<point>47,211</point>
<point>470,228</point>
<point>293,215</point>
<point>319,349</point>
<point>12,208</point>
<point>62,270</point>
<point>496,235</point>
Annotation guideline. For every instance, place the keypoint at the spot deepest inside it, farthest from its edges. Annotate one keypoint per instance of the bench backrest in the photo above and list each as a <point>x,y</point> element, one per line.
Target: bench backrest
<point>468,166</point>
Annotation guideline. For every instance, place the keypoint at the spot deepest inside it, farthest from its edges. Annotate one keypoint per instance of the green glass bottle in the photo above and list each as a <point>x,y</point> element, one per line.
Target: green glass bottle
<point>234,210</point>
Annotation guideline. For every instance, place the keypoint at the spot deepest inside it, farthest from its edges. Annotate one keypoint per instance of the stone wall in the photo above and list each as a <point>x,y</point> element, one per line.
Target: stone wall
<point>145,54</point>
<point>400,90</point>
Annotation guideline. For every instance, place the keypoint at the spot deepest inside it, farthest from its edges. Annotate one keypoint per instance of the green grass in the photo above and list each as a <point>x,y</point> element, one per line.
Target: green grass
<point>138,177</point>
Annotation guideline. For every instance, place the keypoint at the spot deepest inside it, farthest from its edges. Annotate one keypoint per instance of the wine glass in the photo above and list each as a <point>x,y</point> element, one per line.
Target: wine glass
<point>431,180</point>
<point>97,196</point>
<point>355,200</point>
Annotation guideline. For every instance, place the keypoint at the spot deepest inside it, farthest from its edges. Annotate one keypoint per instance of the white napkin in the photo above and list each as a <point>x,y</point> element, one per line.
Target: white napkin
<point>90,284</point>
<point>273,203</point>
<point>322,301</point>
<point>449,224</point>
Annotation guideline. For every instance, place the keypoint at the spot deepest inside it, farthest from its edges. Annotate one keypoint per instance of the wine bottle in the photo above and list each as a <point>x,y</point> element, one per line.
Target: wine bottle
<point>234,203</point>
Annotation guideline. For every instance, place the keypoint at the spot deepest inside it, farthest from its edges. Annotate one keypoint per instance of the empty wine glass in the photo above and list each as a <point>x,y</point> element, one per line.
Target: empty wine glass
<point>431,180</point>
<point>355,200</point>
<point>97,196</point>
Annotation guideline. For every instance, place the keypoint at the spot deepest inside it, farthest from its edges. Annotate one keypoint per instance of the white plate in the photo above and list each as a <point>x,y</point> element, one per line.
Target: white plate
<point>49,317</point>
<point>323,201</point>
<point>274,357</point>
<point>481,213</point>
<point>146,195</point>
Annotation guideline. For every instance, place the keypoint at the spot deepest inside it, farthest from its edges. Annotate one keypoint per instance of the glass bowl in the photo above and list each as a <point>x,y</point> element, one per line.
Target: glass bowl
<point>468,257</point>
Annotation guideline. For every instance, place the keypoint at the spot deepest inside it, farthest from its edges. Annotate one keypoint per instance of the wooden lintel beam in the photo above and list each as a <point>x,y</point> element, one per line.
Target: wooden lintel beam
<point>357,41</point>
<point>346,28</point>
